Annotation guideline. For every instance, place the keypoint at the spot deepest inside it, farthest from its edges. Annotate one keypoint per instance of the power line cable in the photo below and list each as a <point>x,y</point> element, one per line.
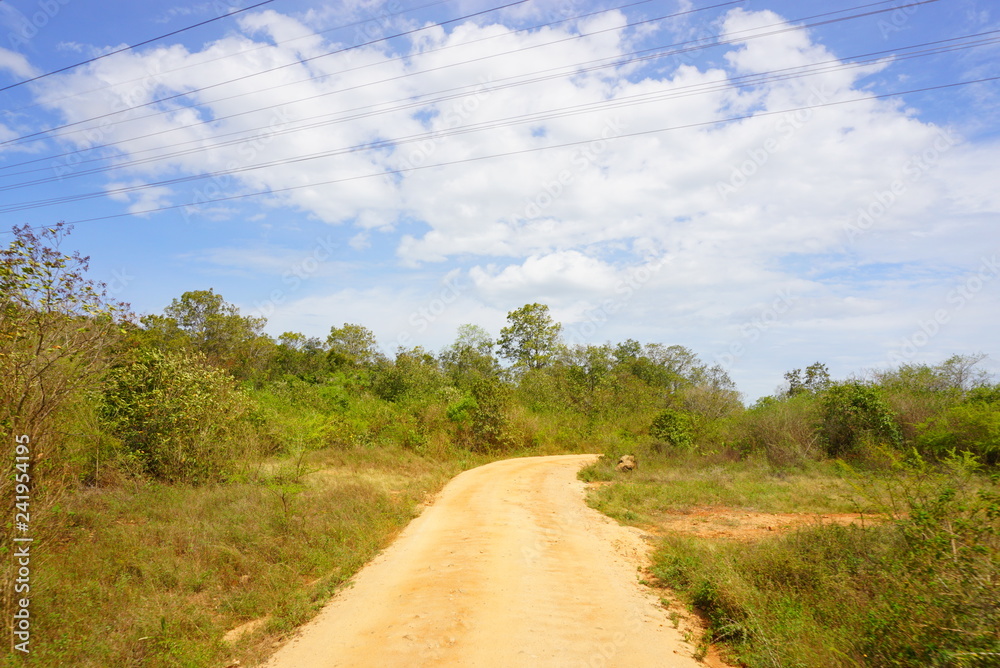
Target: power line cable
<point>36,136</point>
<point>533,150</point>
<point>273,69</point>
<point>202,63</point>
<point>323,76</point>
<point>573,68</point>
<point>135,46</point>
<point>702,88</point>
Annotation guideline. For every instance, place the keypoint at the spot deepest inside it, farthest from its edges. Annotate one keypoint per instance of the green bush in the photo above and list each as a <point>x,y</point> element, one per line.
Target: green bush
<point>184,419</point>
<point>854,415</point>
<point>675,428</point>
<point>973,426</point>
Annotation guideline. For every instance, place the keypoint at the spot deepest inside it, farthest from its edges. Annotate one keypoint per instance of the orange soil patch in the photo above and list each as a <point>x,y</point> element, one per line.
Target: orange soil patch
<point>736,524</point>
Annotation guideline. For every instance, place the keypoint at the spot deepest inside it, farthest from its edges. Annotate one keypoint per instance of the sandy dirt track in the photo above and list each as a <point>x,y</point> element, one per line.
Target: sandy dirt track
<point>508,567</point>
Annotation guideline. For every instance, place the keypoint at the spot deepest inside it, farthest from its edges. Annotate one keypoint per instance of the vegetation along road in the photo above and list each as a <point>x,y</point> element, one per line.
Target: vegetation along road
<point>507,567</point>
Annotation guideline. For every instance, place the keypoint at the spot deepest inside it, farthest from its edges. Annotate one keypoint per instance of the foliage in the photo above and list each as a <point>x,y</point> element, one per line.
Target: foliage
<point>352,347</point>
<point>853,415</point>
<point>919,589</point>
<point>784,430</point>
<point>300,356</point>
<point>181,417</point>
<point>204,322</point>
<point>675,428</point>
<point>58,332</point>
<point>531,339</point>
<point>413,376</point>
<point>469,357</point>
<point>490,428</point>
<point>972,426</point>
<point>57,329</point>
<point>816,379</point>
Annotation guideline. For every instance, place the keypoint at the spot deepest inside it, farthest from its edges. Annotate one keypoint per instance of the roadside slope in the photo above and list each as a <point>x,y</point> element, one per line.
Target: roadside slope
<point>508,567</point>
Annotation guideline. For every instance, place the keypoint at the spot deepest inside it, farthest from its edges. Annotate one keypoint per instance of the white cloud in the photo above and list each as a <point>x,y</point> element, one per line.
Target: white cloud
<point>740,211</point>
<point>17,64</point>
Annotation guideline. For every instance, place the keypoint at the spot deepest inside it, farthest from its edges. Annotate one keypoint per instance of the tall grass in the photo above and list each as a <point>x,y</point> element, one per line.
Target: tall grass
<point>920,590</point>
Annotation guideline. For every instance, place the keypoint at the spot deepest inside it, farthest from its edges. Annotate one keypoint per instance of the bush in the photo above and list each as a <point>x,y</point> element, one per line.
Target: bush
<point>854,415</point>
<point>783,430</point>
<point>674,428</point>
<point>184,419</point>
<point>972,426</point>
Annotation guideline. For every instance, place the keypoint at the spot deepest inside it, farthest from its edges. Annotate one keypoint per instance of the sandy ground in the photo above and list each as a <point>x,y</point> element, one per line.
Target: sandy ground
<point>507,567</point>
<point>737,524</point>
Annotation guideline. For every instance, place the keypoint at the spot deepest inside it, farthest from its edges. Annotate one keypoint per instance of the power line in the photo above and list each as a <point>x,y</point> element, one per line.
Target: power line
<point>135,46</point>
<point>756,79</point>
<point>533,150</point>
<point>202,63</point>
<point>313,78</point>
<point>575,69</point>
<point>39,135</point>
<point>273,69</point>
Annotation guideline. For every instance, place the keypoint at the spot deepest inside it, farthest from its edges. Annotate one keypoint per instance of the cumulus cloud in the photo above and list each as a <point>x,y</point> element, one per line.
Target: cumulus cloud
<point>733,213</point>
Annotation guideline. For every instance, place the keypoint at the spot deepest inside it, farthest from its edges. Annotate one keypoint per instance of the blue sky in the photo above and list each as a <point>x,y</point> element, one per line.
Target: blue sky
<point>835,220</point>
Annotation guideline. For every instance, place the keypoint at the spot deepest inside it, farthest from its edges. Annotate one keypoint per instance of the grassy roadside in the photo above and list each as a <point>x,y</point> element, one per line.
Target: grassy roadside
<point>156,575</point>
<point>919,589</point>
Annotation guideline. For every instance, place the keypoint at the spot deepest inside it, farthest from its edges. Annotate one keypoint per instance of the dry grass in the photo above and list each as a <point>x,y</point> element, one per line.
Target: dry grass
<point>156,575</point>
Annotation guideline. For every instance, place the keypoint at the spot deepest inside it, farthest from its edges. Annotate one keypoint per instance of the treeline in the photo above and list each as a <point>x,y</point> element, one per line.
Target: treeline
<point>200,393</point>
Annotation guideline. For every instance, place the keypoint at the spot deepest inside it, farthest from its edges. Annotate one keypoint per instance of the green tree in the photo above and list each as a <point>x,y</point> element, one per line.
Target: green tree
<point>57,329</point>
<point>532,337</point>
<point>674,428</point>
<point>215,328</point>
<point>301,356</point>
<point>413,376</point>
<point>352,347</point>
<point>855,414</point>
<point>815,380</point>
<point>469,357</point>
<point>58,335</point>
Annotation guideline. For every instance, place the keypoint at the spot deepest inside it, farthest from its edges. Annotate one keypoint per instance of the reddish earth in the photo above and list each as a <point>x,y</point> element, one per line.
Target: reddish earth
<point>736,524</point>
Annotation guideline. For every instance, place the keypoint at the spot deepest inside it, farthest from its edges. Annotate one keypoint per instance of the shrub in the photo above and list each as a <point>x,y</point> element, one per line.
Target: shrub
<point>973,426</point>
<point>675,428</point>
<point>184,419</point>
<point>855,414</point>
<point>783,430</point>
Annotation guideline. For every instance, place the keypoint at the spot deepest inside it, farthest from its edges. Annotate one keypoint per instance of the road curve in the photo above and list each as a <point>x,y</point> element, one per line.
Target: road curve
<point>508,567</point>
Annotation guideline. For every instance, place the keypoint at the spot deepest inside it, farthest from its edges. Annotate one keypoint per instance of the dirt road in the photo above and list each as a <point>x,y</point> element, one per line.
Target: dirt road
<point>508,567</point>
